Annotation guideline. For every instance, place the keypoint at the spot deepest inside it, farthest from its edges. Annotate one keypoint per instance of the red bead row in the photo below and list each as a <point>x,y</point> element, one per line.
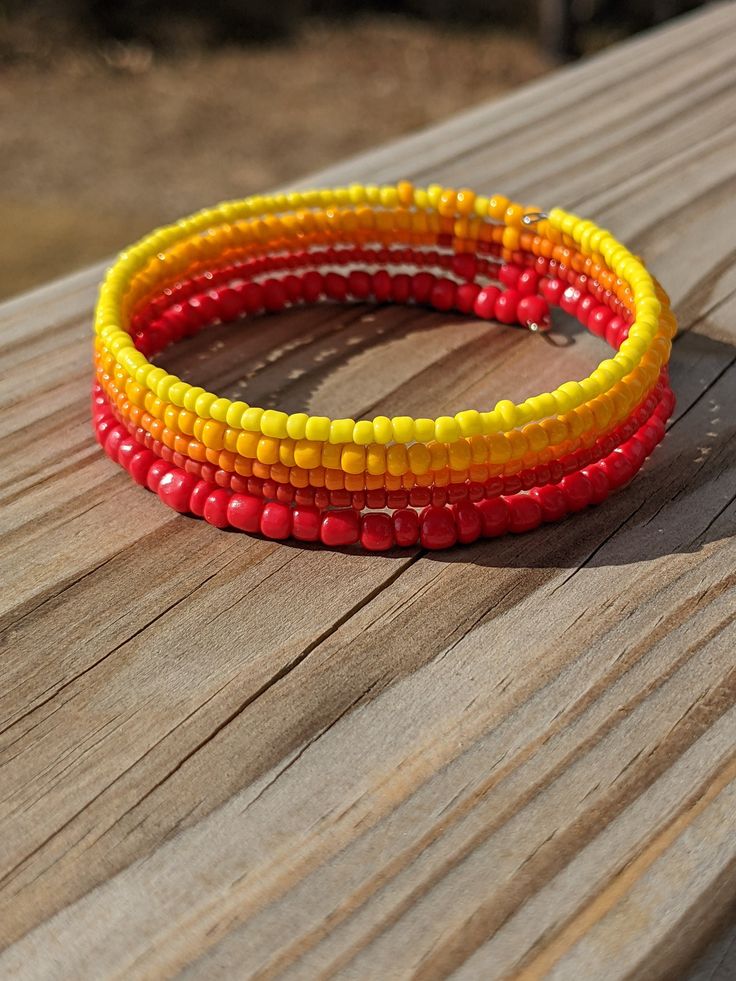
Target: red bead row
<point>434,527</point>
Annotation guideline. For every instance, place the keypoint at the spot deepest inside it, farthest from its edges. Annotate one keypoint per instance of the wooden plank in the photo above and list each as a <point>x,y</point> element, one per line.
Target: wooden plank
<point>222,756</point>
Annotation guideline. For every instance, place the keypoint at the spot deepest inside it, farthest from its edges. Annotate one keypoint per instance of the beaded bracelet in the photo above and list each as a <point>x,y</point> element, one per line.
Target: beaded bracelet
<point>445,480</point>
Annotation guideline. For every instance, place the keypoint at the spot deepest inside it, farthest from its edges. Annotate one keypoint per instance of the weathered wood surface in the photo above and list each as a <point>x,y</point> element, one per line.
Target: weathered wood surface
<point>223,757</point>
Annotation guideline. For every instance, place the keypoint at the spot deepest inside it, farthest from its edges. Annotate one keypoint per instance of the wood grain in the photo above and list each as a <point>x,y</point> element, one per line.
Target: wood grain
<point>224,757</point>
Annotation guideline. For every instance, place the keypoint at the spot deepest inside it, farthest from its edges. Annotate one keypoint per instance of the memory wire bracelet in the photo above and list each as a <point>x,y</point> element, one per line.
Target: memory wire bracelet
<point>385,481</point>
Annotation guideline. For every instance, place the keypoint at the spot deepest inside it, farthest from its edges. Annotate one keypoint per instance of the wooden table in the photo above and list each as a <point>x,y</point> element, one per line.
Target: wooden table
<point>226,757</point>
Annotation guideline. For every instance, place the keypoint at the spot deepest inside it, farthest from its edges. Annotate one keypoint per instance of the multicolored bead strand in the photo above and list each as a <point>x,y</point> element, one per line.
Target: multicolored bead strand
<point>383,482</point>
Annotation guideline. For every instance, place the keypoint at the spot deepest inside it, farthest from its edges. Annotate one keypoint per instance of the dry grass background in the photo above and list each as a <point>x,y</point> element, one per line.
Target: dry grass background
<point>99,145</point>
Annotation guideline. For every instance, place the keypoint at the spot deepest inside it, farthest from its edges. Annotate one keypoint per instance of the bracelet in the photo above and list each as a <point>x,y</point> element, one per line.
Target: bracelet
<point>454,478</point>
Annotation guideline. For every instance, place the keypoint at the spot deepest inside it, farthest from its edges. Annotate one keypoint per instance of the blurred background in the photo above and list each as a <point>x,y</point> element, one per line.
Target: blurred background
<point>116,116</point>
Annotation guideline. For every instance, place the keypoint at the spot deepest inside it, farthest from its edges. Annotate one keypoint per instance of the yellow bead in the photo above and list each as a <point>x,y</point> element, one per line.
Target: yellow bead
<point>421,198</point>
<point>252,419</point>
<point>419,459</point>
<point>307,454</point>
<point>203,404</point>
<point>468,422</point>
<point>247,444</point>
<point>268,450</point>
<point>389,196</point>
<point>459,455</point>
<point>465,201</point>
<point>318,427</point>
<point>357,193</point>
<point>499,449</point>
<point>511,239</point>
<point>363,434</point>
<point>536,437</point>
<point>506,411</point>
<point>383,429</point>
<point>403,429</point>
<point>341,430</point>
<point>397,462</point>
<point>177,393</point>
<point>296,425</point>
<point>331,455</point>
<point>352,459</point>
<point>434,192</point>
<point>235,414</point>
<point>219,409</point>
<point>424,430</point>
<point>376,459</point>
<point>273,423</point>
<point>213,434</point>
<point>497,205</point>
<point>446,429</point>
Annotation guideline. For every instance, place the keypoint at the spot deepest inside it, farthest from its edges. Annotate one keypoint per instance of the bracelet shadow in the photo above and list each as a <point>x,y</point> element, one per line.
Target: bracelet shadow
<point>362,360</point>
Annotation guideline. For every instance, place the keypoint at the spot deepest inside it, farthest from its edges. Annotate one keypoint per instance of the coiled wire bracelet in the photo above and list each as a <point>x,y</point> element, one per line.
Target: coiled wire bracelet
<point>381,482</point>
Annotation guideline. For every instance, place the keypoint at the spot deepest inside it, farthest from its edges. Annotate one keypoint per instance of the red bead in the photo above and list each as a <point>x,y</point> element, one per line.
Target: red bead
<point>401,288</point>
<point>468,522</point>
<point>139,466</point>
<point>307,521</point>
<point>340,527</point>
<point>340,499</point>
<point>175,489</point>
<point>252,297</point>
<point>617,468</point>
<point>465,265</point>
<point>577,490</point>
<point>127,449</point>
<point>551,501</point>
<point>229,302</point>
<point>276,520</point>
<point>528,283</point>
<point>599,486</point>
<point>376,499</point>
<point>312,286</point>
<point>635,452</point>
<point>494,513</point>
<point>570,299</point>
<point>293,286</point>
<point>406,527</point>
<point>512,484</point>
<point>204,309</point>
<point>156,472</point>
<point>507,305</point>
<point>598,320</point>
<point>200,492</point>
<point>381,286</point>
<point>103,426</point>
<point>485,302</point>
<point>397,499</point>
<point>466,296</point>
<point>215,508</point>
<point>376,532</point>
<point>552,290</point>
<point>442,296</point>
<point>524,513</point>
<point>533,310</point>
<point>359,284</point>
<point>275,297</point>
<point>336,287</point>
<point>113,440</point>
<point>244,512</point>
<point>437,528</point>
<point>421,286</point>
<point>509,274</point>
<point>585,306</point>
